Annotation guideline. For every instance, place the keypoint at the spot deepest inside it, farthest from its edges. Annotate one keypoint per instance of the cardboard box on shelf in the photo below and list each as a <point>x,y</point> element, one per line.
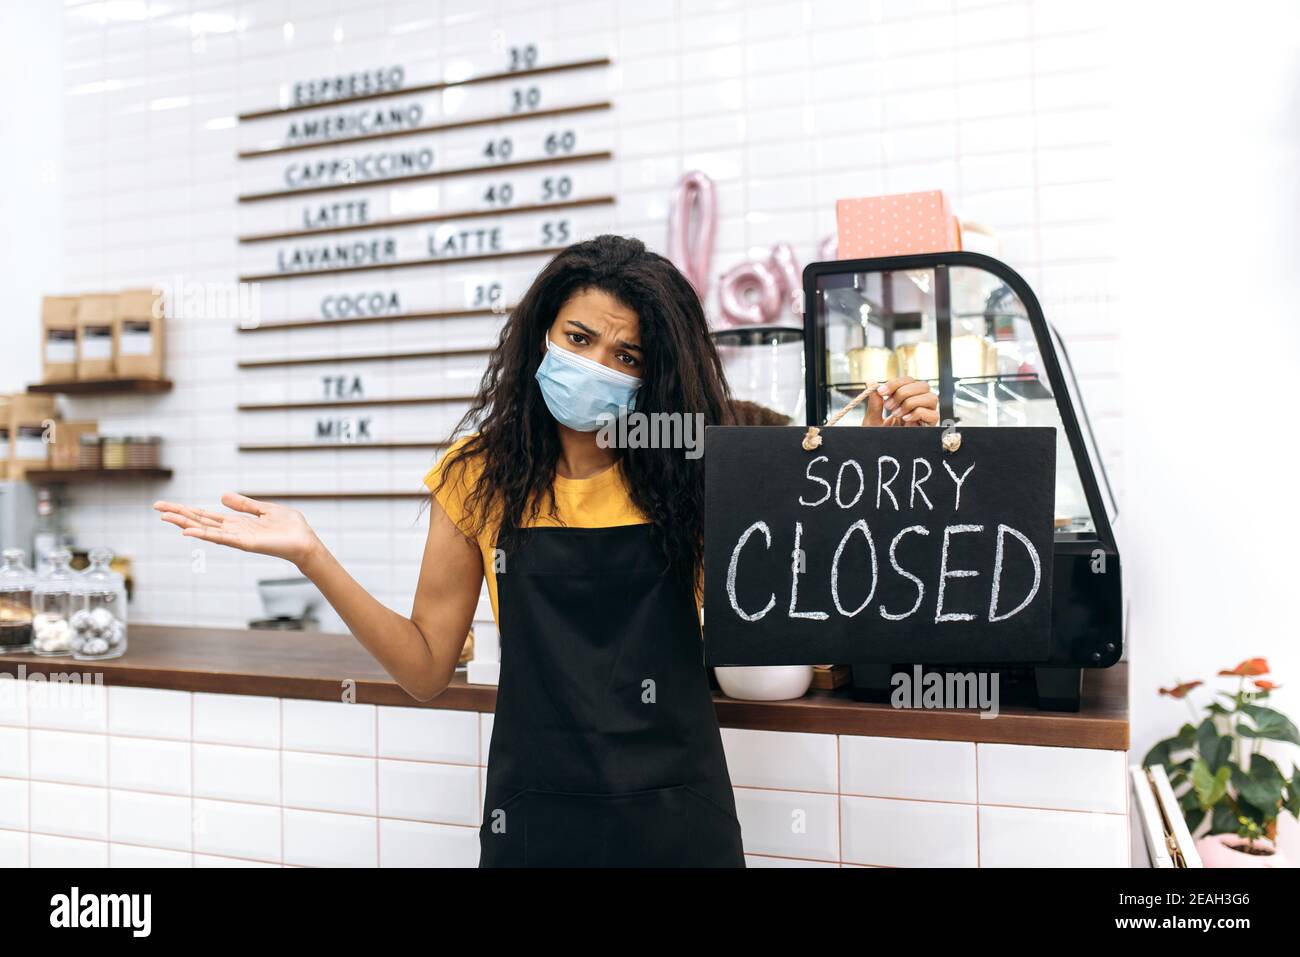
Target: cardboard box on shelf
<point>65,444</point>
<point>58,338</point>
<point>96,336</point>
<point>900,224</point>
<point>139,322</point>
<point>30,418</point>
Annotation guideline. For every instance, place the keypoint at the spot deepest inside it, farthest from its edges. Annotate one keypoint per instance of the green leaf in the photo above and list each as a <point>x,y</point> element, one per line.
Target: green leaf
<point>1160,753</point>
<point>1292,800</point>
<point>1261,786</point>
<point>1215,708</point>
<point>1213,748</point>
<point>1224,755</point>
<point>1210,786</point>
<point>1163,751</point>
<point>1270,724</point>
<point>1223,820</point>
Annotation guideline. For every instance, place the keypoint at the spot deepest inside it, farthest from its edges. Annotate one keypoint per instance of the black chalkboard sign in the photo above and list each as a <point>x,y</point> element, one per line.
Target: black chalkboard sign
<point>878,546</point>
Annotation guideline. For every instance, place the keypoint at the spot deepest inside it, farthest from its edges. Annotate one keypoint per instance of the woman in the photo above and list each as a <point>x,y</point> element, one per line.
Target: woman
<point>605,745</point>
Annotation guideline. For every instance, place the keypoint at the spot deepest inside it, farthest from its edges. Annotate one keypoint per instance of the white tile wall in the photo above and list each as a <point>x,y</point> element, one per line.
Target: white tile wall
<point>802,799</point>
<point>787,105</point>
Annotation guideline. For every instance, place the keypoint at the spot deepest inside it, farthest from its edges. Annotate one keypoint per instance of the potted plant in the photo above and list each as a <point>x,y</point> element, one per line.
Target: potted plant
<point>1229,791</point>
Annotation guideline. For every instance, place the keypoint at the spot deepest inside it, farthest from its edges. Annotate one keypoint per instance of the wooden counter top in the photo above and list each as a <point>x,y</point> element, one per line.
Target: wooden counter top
<point>326,667</point>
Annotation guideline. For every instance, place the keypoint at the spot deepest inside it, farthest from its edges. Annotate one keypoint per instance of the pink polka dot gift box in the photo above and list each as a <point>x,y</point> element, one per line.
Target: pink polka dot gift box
<point>896,225</point>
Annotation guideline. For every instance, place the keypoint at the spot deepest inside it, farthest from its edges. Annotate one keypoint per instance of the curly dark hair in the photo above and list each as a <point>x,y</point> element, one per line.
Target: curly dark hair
<point>516,441</point>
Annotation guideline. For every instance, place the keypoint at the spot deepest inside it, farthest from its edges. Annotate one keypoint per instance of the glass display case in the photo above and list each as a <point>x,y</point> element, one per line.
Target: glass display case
<point>973,329</point>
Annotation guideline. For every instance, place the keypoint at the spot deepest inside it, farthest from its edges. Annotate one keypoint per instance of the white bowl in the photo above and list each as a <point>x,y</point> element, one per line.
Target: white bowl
<point>288,597</point>
<point>765,682</point>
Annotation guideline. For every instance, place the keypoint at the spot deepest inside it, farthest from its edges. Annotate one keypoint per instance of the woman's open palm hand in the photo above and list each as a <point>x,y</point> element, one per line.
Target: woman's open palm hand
<point>253,526</point>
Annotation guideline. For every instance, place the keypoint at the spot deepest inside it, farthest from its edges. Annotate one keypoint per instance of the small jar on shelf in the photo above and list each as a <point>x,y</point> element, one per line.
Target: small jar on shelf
<point>56,597</point>
<point>142,451</point>
<point>16,581</point>
<point>99,625</point>
<point>112,451</point>
<point>88,454</point>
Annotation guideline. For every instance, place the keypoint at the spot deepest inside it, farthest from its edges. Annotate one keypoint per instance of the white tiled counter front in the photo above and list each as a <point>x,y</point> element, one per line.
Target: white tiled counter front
<point>898,802</point>
<point>214,747</point>
<point>117,776</point>
<point>113,776</point>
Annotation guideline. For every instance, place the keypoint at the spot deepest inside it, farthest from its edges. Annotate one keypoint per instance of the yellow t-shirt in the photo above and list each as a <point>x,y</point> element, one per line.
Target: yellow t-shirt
<point>602,501</point>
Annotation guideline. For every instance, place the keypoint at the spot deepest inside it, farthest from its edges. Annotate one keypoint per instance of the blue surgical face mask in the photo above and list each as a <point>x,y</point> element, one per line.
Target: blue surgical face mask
<point>579,392</point>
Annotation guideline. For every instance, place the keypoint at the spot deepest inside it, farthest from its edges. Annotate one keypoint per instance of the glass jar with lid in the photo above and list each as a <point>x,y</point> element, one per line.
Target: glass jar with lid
<point>56,597</point>
<point>99,624</point>
<point>16,581</point>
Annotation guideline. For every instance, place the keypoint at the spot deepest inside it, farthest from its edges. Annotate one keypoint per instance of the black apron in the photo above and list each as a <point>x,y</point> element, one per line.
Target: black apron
<point>605,746</point>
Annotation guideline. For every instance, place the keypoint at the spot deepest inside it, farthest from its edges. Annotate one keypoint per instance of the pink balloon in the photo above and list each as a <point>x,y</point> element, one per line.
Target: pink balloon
<point>749,294</point>
<point>829,248</point>
<point>783,262</point>
<point>692,223</point>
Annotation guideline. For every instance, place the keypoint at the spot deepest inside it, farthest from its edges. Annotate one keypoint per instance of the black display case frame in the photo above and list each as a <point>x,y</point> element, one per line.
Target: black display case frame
<point>1088,614</point>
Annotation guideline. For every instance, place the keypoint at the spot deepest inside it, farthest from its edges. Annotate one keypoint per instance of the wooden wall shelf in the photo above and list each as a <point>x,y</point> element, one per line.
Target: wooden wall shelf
<point>341,446</point>
<point>103,387</point>
<point>402,264</point>
<point>384,357</point>
<point>424,177</point>
<point>497,120</point>
<point>350,403</point>
<point>53,476</point>
<point>426,88</point>
<point>495,212</point>
<point>366,320</point>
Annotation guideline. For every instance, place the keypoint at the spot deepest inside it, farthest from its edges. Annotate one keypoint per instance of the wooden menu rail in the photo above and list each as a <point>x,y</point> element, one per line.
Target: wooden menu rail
<point>427,88</point>
<point>497,120</point>
<point>365,320</point>
<point>423,177</point>
<point>369,357</point>
<point>403,264</point>
<point>350,403</point>
<point>430,218</point>
<point>341,446</point>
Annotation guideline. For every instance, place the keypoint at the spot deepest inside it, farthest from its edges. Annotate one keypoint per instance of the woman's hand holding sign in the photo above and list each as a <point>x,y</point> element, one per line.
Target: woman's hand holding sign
<point>907,401</point>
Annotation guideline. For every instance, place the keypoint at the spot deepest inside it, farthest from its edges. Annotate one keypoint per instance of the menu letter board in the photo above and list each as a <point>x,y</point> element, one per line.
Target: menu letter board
<point>879,546</point>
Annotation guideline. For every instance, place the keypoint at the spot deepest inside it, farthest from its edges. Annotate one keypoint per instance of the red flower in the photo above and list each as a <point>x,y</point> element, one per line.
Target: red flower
<point>1263,684</point>
<point>1248,669</point>
<point>1180,691</point>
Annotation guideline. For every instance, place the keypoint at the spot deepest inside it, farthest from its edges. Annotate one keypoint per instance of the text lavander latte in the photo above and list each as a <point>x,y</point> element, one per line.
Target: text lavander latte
<point>879,545</point>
